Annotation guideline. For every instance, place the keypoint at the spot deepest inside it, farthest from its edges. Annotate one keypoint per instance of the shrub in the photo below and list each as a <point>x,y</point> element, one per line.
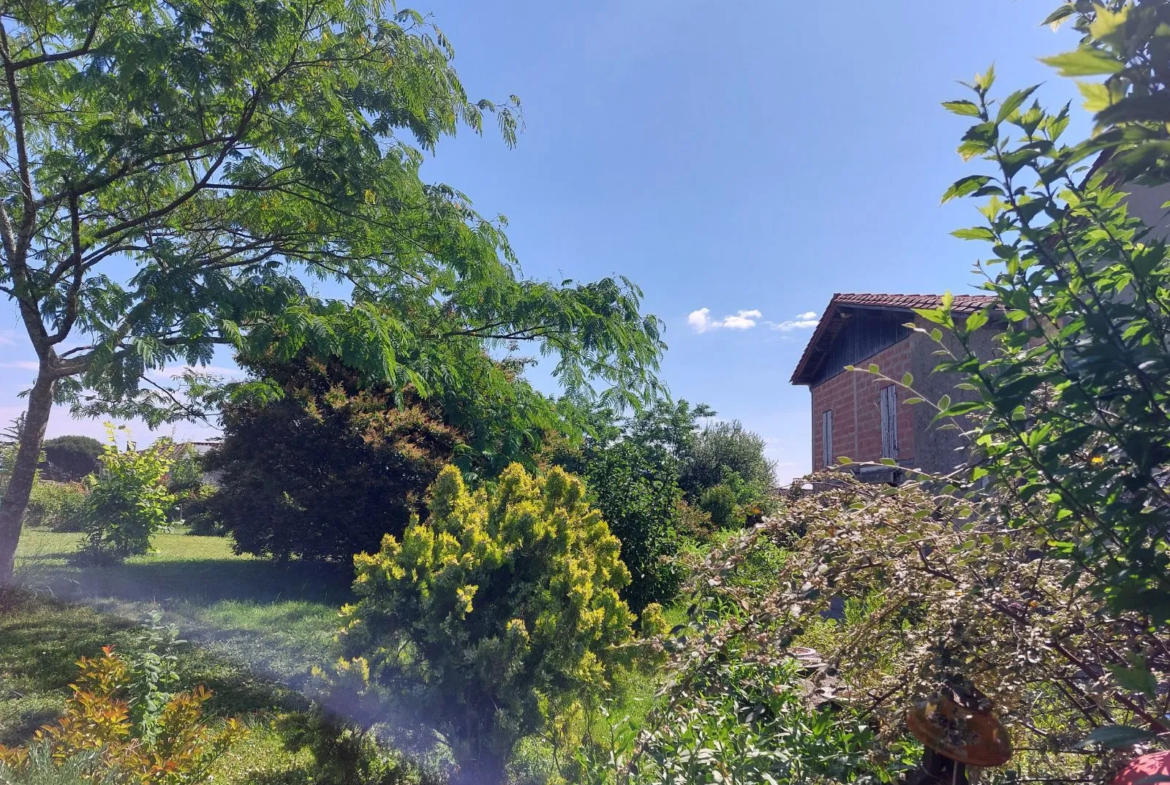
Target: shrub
<point>197,508</point>
<point>639,500</point>
<point>740,721</point>
<point>491,614</point>
<point>719,502</point>
<point>932,599</point>
<point>97,729</point>
<point>128,501</point>
<point>72,458</point>
<point>724,447</point>
<point>326,470</point>
<point>59,506</point>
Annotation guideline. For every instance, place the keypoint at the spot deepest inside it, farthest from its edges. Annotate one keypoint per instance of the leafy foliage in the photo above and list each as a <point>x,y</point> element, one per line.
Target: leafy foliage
<point>128,500</point>
<point>327,469</point>
<point>1070,417</point>
<point>496,610</point>
<point>96,736</point>
<point>218,160</point>
<point>719,502</point>
<point>941,600</point>
<point>742,721</point>
<point>59,506</point>
<point>72,457</point>
<point>723,449</point>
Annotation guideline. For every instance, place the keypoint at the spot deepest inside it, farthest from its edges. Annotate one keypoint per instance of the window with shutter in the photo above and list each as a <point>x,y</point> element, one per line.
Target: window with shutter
<point>827,438</point>
<point>889,407</point>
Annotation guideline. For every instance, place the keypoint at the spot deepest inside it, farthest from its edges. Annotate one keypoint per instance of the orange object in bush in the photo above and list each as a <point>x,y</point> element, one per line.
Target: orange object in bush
<point>973,736</point>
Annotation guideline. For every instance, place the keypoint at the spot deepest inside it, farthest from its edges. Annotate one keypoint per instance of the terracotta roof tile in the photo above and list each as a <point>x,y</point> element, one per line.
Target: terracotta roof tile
<point>963,304</point>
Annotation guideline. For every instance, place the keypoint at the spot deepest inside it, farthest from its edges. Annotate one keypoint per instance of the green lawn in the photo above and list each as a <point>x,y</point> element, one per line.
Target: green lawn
<point>254,630</point>
<point>277,619</point>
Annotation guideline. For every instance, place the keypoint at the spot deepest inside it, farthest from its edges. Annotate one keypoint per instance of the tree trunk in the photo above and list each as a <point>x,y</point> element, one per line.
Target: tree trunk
<point>40,403</point>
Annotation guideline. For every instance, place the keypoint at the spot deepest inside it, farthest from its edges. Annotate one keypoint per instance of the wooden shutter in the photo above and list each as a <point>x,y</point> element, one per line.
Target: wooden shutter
<point>827,438</point>
<point>889,406</point>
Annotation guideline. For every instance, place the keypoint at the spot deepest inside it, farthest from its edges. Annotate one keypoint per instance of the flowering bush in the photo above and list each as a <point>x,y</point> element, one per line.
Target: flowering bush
<point>496,610</point>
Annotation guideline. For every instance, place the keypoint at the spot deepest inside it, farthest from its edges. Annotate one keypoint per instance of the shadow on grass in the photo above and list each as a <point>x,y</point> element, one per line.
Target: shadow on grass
<point>197,581</point>
<point>41,640</point>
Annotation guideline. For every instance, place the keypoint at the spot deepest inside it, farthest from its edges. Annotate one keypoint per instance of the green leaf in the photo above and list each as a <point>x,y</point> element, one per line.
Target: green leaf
<point>944,403</point>
<point>964,108</point>
<point>974,233</point>
<point>1138,678</point>
<point>975,321</point>
<point>1084,61</point>
<point>936,335</point>
<point>1096,94</point>
<point>979,139</point>
<point>1116,737</point>
<point>1013,102</point>
<point>844,459</point>
<point>907,379</point>
<point>873,368</point>
<point>985,80</point>
<point>912,401</point>
<point>1057,17</point>
<point>965,186</point>
<point>963,407</point>
<point>1136,109</point>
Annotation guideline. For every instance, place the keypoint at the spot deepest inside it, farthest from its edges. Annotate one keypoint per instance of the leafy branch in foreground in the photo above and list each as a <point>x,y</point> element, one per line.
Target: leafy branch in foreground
<point>181,176</point>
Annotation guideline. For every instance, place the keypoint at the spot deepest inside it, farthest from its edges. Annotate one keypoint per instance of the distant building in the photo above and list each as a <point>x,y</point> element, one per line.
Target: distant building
<point>865,418</point>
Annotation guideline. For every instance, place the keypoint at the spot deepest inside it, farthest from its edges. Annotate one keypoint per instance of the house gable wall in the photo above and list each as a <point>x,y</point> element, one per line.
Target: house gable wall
<point>855,400</point>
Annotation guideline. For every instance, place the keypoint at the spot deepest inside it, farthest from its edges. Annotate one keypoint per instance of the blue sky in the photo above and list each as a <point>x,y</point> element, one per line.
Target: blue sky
<point>749,159</point>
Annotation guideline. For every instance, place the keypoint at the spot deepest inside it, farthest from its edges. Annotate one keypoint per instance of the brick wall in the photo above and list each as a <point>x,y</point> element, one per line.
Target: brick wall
<point>854,400</point>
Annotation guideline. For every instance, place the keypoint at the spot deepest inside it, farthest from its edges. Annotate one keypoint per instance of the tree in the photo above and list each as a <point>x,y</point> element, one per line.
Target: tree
<point>1070,418</point>
<point>327,469</point>
<point>178,175</point>
<point>631,469</point>
<point>73,457</point>
<point>496,604</point>
<point>722,448</point>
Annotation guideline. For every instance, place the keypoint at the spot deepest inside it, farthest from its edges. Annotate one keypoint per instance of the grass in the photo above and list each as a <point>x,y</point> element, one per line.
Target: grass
<point>279,619</point>
<point>254,629</point>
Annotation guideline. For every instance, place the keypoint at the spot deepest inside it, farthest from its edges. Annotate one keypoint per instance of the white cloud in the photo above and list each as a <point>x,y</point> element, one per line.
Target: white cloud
<point>802,321</point>
<point>6,338</point>
<point>24,365</point>
<point>701,321</point>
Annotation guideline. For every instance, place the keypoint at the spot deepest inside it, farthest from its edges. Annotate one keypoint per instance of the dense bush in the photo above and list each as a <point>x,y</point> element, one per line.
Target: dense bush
<point>98,738</point>
<point>719,502</point>
<point>739,721</point>
<point>721,449</point>
<point>498,610</point>
<point>128,501</point>
<point>936,599</point>
<point>634,489</point>
<point>634,468</point>
<point>72,458</point>
<point>326,470</point>
<point>59,506</point>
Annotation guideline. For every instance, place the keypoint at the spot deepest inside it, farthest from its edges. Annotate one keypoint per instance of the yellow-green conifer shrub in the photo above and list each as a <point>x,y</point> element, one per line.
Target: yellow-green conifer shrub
<point>496,605</point>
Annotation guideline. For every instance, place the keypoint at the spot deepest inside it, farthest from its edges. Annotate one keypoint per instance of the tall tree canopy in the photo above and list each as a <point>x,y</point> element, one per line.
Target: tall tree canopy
<point>179,174</point>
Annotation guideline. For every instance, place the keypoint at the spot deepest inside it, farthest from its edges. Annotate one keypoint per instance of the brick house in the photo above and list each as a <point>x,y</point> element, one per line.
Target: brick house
<point>862,417</point>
